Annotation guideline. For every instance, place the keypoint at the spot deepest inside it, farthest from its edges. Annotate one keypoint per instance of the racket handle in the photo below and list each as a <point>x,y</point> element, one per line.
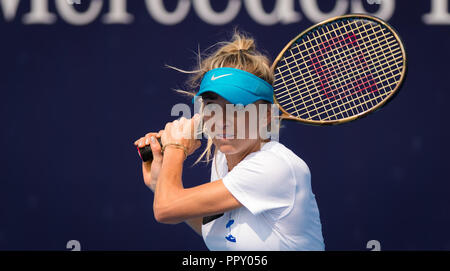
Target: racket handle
<point>146,153</point>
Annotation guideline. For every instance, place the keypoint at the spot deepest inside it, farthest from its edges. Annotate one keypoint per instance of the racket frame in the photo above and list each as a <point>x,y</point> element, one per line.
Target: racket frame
<point>287,116</point>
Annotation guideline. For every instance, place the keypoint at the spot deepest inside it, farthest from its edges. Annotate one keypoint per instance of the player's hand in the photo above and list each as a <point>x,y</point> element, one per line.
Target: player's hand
<point>182,131</point>
<point>151,169</point>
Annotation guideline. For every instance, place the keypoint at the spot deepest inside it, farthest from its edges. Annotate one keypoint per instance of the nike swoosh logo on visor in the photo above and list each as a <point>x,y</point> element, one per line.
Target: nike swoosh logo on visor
<point>214,77</point>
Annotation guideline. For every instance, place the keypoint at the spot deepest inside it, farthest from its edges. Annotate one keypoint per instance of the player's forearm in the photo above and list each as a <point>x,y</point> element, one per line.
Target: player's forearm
<point>146,169</point>
<point>169,186</point>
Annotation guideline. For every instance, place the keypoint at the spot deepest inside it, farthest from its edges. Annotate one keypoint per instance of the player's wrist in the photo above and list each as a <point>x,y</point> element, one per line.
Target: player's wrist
<point>175,149</point>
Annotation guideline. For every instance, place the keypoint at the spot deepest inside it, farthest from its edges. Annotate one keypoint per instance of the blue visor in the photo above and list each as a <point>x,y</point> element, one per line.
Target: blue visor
<point>236,86</point>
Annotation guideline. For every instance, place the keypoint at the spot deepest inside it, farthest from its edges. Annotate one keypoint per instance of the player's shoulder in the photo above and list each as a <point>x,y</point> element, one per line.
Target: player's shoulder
<point>278,154</point>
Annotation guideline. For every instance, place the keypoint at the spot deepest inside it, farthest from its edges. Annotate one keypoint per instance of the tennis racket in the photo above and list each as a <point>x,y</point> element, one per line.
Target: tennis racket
<point>339,70</point>
<point>336,71</point>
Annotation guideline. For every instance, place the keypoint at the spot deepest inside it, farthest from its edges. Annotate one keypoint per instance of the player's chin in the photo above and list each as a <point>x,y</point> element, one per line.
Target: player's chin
<point>227,145</point>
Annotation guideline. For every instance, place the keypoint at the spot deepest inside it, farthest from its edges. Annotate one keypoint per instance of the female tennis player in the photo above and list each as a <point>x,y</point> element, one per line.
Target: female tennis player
<point>259,196</point>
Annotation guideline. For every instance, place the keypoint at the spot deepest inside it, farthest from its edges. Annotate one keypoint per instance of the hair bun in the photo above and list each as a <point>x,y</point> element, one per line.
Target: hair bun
<point>239,44</point>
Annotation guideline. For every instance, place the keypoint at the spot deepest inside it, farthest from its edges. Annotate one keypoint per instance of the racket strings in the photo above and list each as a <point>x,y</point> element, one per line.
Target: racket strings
<point>333,64</point>
<point>362,103</point>
<point>356,84</point>
<point>331,56</point>
<point>300,52</point>
<point>328,83</point>
<point>346,69</point>
<point>352,101</point>
<point>371,97</point>
<point>311,78</point>
<point>315,39</point>
<point>305,61</point>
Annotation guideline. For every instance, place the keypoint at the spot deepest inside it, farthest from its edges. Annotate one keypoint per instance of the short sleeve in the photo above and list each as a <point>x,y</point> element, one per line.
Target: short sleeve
<point>263,182</point>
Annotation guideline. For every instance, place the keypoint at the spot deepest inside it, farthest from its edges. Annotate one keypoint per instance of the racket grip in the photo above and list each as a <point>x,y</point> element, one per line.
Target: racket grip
<point>146,153</point>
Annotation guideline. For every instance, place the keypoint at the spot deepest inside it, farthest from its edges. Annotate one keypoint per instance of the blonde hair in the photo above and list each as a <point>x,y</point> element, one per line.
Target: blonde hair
<point>240,53</point>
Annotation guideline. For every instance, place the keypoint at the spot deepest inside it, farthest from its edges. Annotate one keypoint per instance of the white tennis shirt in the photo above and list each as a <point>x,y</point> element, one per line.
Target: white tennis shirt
<point>279,209</point>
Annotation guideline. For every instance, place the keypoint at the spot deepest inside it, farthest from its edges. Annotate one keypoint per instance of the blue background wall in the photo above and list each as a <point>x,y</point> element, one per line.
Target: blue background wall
<point>73,98</point>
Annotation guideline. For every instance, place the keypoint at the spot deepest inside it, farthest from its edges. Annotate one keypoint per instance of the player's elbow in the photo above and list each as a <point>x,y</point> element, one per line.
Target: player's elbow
<point>165,215</point>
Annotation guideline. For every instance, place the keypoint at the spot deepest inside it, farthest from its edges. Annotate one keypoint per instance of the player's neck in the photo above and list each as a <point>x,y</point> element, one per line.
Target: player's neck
<point>234,159</point>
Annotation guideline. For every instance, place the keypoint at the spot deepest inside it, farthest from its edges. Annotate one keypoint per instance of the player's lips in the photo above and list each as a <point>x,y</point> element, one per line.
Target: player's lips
<point>224,136</point>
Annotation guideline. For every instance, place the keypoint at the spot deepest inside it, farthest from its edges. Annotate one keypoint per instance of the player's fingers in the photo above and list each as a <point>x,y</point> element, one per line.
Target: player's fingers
<point>166,134</point>
<point>171,132</point>
<point>150,134</point>
<point>156,149</point>
<point>136,143</point>
<point>184,128</point>
<point>140,142</point>
<point>147,138</point>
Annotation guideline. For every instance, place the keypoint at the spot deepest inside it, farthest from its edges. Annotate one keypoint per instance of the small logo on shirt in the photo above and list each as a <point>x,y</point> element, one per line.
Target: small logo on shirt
<point>214,76</point>
<point>230,237</point>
